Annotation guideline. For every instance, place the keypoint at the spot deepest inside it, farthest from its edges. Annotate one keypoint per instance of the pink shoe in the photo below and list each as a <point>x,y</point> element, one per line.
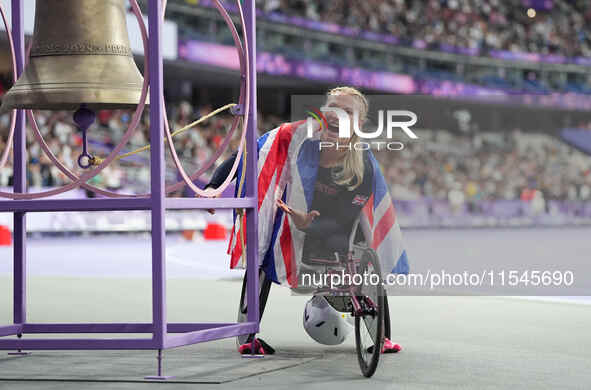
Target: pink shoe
<point>261,348</point>
<point>390,347</point>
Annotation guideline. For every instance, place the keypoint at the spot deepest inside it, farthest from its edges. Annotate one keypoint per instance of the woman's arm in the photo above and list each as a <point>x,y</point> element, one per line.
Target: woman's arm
<point>220,174</point>
<point>222,171</point>
<point>301,219</point>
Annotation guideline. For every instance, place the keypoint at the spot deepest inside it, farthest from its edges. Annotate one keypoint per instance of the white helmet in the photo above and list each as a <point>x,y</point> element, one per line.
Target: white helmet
<point>323,323</point>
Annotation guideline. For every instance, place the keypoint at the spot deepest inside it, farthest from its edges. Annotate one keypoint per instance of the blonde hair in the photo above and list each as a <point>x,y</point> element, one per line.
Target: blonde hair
<point>353,168</point>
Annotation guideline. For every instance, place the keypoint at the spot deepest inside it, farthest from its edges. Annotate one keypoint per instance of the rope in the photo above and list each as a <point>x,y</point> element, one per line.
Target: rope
<point>98,160</point>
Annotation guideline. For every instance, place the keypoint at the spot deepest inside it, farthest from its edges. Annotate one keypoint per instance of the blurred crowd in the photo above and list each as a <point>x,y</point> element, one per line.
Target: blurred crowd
<point>464,169</point>
<point>194,147</point>
<point>441,165</point>
<point>476,24</point>
<point>65,141</point>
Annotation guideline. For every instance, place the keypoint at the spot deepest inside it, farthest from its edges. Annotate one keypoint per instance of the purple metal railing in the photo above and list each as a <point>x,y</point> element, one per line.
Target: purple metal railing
<point>157,203</point>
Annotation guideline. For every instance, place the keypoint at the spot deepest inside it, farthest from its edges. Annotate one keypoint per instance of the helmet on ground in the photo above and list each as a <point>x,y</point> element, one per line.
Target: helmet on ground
<point>323,323</point>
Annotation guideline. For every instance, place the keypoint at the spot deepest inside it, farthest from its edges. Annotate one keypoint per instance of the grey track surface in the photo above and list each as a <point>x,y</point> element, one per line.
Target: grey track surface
<point>449,342</point>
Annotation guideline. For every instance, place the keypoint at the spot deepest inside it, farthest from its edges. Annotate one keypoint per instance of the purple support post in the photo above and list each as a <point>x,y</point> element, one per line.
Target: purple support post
<point>252,262</point>
<point>20,177</point>
<point>157,181</point>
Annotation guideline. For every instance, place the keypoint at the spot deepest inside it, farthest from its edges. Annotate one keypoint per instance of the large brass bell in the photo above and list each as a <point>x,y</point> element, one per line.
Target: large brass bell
<point>80,56</point>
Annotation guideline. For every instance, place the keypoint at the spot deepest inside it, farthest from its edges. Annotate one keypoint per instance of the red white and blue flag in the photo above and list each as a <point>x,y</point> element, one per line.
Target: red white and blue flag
<point>359,200</point>
<point>287,168</point>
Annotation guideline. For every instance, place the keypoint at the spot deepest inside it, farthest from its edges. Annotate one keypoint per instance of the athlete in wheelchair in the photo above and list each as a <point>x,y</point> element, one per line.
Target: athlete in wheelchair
<point>343,188</point>
<point>327,313</point>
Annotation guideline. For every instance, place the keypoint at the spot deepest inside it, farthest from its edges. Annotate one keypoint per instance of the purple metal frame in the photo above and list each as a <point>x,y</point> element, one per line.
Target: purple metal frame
<point>164,335</point>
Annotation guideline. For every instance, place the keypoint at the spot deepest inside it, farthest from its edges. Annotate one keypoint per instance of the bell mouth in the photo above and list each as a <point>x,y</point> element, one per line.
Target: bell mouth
<point>69,99</point>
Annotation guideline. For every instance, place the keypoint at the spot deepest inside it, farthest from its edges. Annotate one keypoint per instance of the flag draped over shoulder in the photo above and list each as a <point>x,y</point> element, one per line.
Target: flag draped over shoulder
<point>287,168</point>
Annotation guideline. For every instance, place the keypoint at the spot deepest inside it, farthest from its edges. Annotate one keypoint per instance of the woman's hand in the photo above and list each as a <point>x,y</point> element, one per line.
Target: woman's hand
<point>300,219</point>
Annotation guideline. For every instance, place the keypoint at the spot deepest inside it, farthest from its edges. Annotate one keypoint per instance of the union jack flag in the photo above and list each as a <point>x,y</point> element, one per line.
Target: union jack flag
<point>287,168</point>
<point>358,200</point>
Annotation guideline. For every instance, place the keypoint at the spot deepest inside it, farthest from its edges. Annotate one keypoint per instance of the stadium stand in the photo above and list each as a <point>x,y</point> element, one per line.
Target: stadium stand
<point>497,44</point>
<point>481,25</point>
<point>443,165</point>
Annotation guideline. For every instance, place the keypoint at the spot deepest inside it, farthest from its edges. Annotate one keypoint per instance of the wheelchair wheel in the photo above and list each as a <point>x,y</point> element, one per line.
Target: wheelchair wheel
<point>369,326</point>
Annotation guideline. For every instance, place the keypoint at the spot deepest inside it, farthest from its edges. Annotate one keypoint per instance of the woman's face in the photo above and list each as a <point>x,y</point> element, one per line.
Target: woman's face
<point>350,104</point>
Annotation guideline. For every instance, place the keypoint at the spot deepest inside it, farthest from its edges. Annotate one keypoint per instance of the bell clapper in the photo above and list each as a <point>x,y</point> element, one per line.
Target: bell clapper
<point>84,118</point>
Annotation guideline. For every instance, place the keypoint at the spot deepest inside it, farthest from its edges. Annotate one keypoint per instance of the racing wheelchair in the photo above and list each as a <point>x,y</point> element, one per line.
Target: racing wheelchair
<point>366,302</point>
